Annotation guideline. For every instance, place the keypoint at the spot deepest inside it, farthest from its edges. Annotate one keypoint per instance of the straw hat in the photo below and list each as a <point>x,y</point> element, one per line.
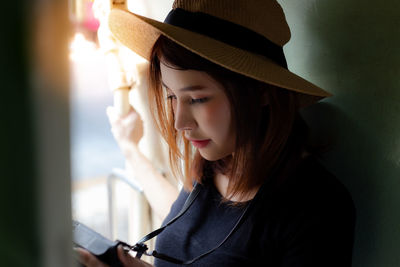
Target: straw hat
<point>245,36</point>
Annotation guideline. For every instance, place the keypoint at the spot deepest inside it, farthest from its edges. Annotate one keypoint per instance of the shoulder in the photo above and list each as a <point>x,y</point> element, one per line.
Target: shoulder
<point>312,214</point>
<point>311,190</point>
<point>313,186</point>
<point>311,198</point>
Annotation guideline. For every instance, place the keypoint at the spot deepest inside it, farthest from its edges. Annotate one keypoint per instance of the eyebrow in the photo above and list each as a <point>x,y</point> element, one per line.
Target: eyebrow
<point>186,89</point>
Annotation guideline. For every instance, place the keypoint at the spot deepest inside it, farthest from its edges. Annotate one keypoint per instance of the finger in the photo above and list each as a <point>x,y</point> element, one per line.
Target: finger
<point>112,114</point>
<point>88,259</point>
<point>115,132</point>
<point>130,118</point>
<point>76,255</point>
<point>114,117</point>
<point>83,256</point>
<point>122,255</point>
<point>125,258</point>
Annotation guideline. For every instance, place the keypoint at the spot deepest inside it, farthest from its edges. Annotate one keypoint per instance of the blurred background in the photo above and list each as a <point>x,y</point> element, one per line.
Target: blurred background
<point>58,160</point>
<point>102,197</point>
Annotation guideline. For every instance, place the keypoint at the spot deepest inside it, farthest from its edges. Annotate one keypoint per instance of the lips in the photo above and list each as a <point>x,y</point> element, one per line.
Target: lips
<point>199,143</point>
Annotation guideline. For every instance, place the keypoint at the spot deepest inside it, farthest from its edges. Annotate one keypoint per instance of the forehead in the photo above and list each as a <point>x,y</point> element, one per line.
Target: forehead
<point>176,79</point>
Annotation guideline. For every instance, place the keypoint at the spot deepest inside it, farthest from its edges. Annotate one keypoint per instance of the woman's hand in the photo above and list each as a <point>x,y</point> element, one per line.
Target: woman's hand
<point>127,130</point>
<point>89,260</point>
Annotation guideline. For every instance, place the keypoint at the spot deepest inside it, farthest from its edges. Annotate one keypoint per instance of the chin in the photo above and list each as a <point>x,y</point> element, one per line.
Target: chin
<point>212,157</point>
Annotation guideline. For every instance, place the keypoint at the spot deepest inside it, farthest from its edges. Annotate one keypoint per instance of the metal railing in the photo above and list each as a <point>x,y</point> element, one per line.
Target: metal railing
<point>139,217</point>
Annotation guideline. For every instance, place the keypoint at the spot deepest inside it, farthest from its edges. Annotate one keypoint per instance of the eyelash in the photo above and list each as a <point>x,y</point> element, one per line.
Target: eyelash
<point>192,101</point>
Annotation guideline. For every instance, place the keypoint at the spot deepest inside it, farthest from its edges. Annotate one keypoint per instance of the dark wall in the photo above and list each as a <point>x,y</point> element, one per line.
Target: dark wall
<point>35,195</point>
<point>18,195</point>
<point>351,49</point>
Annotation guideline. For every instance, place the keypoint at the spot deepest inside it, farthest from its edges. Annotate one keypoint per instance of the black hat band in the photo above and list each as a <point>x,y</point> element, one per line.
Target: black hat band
<point>227,32</point>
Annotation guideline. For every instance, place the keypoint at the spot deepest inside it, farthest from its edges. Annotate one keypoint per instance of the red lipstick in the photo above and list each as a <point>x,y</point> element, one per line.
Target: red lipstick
<point>200,143</point>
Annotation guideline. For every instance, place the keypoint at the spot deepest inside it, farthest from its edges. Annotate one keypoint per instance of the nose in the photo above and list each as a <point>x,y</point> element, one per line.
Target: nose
<point>184,119</point>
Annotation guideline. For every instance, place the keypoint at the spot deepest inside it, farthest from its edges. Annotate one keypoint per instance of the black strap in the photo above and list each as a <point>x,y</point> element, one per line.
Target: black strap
<point>141,248</point>
<point>192,196</point>
<point>227,32</point>
<point>173,260</point>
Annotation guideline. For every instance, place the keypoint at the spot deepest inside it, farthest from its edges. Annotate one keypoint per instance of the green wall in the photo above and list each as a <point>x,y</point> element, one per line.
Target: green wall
<point>18,195</point>
<point>35,195</point>
<point>351,48</point>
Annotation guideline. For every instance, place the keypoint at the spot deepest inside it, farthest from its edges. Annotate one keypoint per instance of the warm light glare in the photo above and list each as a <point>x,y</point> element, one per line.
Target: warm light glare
<point>82,49</point>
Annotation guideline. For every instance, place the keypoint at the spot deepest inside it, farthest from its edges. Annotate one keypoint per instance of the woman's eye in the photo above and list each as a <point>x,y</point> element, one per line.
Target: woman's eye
<point>191,101</point>
<point>198,100</point>
<point>171,97</point>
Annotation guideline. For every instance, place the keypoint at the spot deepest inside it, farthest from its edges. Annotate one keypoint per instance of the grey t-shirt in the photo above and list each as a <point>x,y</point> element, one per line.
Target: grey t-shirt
<point>308,222</point>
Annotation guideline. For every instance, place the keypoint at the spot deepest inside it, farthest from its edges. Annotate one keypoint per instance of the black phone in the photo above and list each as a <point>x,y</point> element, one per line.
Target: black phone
<point>103,248</point>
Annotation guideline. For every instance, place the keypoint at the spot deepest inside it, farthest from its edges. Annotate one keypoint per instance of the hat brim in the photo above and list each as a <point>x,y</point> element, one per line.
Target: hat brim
<point>140,33</point>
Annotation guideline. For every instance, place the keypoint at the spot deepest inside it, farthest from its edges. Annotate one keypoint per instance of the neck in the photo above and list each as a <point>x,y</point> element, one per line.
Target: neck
<point>221,182</point>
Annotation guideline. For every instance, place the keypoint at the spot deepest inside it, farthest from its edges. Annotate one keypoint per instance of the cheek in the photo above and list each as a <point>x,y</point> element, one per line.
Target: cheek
<point>217,118</point>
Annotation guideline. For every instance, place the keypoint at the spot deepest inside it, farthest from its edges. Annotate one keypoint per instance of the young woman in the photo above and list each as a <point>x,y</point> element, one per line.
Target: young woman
<point>229,109</point>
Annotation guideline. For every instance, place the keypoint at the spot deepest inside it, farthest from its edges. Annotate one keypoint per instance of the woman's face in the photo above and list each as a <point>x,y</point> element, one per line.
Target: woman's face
<point>201,111</point>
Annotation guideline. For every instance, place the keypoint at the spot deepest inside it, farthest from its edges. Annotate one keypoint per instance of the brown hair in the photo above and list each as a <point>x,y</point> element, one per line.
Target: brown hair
<point>269,137</point>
